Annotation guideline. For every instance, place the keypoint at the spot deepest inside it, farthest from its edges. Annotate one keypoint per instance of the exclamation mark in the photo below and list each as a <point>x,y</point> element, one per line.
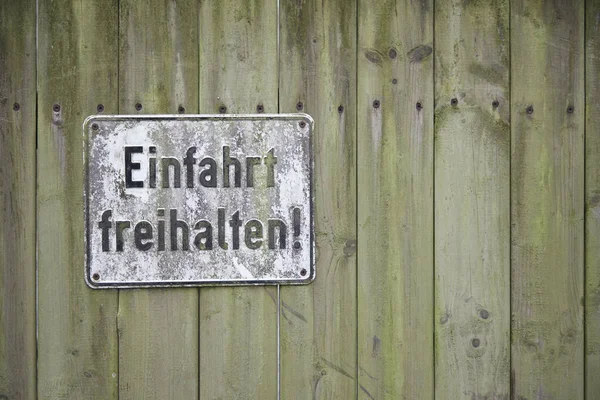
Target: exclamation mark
<point>296,223</point>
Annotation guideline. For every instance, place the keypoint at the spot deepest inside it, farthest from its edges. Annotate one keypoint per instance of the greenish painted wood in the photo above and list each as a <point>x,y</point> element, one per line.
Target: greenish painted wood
<point>158,328</point>
<point>592,183</point>
<point>77,70</point>
<point>238,326</point>
<point>17,199</point>
<point>472,200</point>
<point>318,322</point>
<point>547,187</point>
<point>395,200</point>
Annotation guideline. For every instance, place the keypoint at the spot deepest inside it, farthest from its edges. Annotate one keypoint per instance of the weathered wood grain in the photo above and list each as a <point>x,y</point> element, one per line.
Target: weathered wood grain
<point>318,76</point>
<point>17,199</point>
<point>395,199</point>
<point>592,193</point>
<point>547,185</point>
<point>77,70</point>
<point>238,326</point>
<point>158,328</point>
<point>472,200</point>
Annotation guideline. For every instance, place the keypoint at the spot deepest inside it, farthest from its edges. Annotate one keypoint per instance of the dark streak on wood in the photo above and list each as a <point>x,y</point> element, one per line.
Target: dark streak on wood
<point>366,392</point>
<point>376,346</point>
<point>419,53</point>
<point>374,56</point>
<point>336,368</point>
<point>294,312</point>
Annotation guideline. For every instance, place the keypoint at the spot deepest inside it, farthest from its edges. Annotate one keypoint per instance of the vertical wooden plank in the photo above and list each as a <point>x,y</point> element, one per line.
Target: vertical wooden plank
<point>158,328</point>
<point>592,184</point>
<point>395,199</point>
<point>238,326</point>
<point>547,185</point>
<point>318,75</point>
<point>77,70</point>
<point>17,199</point>
<point>472,200</point>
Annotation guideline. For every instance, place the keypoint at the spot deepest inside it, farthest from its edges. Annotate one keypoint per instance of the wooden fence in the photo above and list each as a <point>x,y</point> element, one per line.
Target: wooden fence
<point>457,150</point>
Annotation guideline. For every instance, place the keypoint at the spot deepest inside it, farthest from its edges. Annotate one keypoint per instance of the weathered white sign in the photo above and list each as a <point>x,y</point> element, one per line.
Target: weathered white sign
<point>198,200</point>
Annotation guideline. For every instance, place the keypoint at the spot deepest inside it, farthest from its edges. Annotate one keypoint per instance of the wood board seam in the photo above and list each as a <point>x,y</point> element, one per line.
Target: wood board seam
<point>433,202</point>
<point>510,210</point>
<point>356,281</point>
<point>585,269</point>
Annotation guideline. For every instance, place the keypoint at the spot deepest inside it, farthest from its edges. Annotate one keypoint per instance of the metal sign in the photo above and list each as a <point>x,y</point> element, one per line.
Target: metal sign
<point>198,200</point>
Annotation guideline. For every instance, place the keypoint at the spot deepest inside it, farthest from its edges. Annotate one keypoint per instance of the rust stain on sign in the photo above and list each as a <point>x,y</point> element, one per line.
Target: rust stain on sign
<point>198,200</point>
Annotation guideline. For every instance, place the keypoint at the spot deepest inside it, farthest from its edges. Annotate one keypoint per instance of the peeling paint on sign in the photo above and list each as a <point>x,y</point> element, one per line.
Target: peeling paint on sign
<point>198,200</point>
